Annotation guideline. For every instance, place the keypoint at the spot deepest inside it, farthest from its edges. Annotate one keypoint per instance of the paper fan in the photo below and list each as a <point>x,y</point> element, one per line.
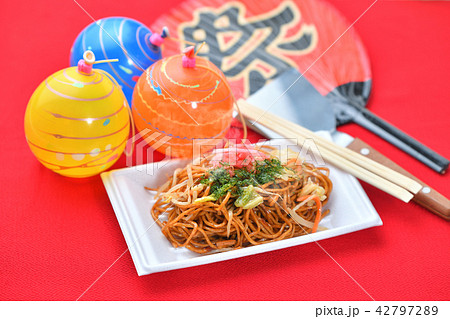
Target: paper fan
<point>253,42</point>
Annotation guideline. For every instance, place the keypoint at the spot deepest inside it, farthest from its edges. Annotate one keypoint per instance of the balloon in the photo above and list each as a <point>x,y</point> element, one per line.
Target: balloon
<point>182,102</point>
<point>77,121</point>
<point>125,39</point>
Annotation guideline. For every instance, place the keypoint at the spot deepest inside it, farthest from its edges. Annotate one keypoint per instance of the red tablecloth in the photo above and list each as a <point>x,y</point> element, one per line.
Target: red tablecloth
<point>58,235</point>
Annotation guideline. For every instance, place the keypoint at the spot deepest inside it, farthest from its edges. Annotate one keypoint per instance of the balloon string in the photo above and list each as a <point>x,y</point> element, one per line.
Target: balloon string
<point>106,61</point>
<point>199,48</point>
<point>182,41</point>
<point>241,117</point>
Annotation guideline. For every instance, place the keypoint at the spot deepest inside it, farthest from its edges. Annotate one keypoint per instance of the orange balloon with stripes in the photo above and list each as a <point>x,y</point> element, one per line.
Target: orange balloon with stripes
<point>179,109</point>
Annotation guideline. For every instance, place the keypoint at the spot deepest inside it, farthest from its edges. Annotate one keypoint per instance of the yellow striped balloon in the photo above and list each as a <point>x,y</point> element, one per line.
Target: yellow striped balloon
<point>77,123</point>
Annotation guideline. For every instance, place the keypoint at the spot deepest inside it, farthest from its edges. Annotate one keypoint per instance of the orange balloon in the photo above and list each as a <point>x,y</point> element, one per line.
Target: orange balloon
<point>182,109</point>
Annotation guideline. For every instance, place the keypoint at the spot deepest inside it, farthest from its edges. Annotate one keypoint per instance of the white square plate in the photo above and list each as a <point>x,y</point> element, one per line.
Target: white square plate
<point>351,210</point>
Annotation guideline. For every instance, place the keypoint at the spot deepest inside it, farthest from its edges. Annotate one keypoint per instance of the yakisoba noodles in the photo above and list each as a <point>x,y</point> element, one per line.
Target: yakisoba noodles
<point>239,197</point>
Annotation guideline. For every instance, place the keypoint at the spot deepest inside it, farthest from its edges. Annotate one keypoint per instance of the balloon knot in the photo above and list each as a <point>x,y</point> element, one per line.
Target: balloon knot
<point>85,64</point>
<point>156,39</point>
<point>188,58</point>
<point>83,67</point>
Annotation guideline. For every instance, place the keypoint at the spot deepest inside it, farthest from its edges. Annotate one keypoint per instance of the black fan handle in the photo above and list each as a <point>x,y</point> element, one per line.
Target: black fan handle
<point>400,139</point>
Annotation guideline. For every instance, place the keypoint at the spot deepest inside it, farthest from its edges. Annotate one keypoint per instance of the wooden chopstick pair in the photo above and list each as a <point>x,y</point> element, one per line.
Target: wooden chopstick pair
<point>378,175</point>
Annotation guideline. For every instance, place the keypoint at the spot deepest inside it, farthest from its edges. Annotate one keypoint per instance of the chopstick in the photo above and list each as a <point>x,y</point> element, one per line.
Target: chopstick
<point>382,177</point>
<point>377,168</point>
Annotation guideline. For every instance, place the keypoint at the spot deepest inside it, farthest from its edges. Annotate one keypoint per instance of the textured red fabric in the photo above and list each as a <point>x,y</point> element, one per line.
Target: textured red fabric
<point>58,235</point>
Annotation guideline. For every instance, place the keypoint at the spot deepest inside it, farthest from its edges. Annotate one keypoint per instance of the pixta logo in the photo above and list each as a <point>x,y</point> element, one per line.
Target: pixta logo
<point>282,148</point>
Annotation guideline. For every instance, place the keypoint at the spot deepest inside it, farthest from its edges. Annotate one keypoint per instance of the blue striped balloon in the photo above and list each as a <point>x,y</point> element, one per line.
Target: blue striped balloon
<point>125,39</point>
